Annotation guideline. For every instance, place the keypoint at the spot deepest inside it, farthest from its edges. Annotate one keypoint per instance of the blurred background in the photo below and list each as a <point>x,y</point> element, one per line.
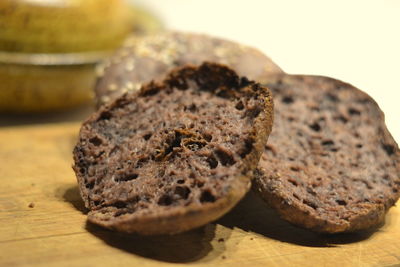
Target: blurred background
<point>44,65</point>
<point>354,41</point>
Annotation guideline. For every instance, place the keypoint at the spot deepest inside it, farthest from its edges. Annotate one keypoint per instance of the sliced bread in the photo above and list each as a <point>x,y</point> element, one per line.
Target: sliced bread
<point>330,164</point>
<point>175,155</point>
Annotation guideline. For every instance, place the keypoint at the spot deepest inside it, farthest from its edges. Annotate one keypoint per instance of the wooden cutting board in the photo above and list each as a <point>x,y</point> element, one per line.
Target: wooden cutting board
<point>43,222</point>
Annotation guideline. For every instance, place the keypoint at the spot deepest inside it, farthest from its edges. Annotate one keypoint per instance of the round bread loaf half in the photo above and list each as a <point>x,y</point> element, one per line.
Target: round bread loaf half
<point>330,164</point>
<point>143,59</point>
<point>174,155</point>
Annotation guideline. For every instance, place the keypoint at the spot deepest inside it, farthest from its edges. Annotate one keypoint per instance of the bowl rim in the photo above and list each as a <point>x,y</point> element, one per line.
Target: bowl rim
<point>53,59</point>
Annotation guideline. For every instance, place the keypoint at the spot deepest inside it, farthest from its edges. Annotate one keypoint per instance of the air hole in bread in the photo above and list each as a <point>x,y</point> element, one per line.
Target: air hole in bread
<point>206,196</point>
<point>95,141</point>
<point>367,185</point>
<point>341,118</point>
<point>199,184</point>
<point>295,168</point>
<point>389,149</point>
<point>253,112</point>
<point>90,185</point>
<point>287,100</point>
<point>82,170</point>
<point>248,147</point>
<point>311,191</point>
<point>310,204</point>
<point>105,115</point>
<point>315,126</point>
<point>165,200</point>
<point>341,202</point>
<point>327,143</point>
<point>194,145</point>
<point>212,162</point>
<point>332,97</point>
<point>239,105</point>
<point>207,137</point>
<point>192,108</point>
<point>126,178</point>
<point>182,191</point>
<point>147,136</point>
<point>353,111</point>
<point>224,156</point>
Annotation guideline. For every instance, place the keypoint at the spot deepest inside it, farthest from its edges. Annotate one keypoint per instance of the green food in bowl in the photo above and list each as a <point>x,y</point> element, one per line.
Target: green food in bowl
<point>45,82</point>
<point>63,26</point>
<point>49,48</point>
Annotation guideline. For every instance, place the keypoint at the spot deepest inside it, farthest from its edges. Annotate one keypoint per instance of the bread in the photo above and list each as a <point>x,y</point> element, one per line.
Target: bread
<point>175,155</point>
<point>151,57</point>
<point>331,165</point>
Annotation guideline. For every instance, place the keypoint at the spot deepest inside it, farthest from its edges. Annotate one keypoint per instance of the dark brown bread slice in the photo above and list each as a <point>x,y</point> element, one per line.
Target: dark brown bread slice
<point>151,57</point>
<point>175,155</point>
<point>330,164</point>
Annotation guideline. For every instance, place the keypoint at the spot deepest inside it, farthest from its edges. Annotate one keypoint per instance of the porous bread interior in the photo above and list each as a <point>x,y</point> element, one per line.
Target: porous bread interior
<point>169,146</point>
<point>329,155</point>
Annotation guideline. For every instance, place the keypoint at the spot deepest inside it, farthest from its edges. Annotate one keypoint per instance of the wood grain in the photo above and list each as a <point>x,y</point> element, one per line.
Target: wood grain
<point>35,167</point>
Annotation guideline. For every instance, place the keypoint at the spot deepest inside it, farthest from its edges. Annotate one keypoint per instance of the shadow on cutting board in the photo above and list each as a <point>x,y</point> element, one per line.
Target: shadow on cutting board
<point>187,247</point>
<point>253,215</point>
<point>202,244</point>
<point>71,195</point>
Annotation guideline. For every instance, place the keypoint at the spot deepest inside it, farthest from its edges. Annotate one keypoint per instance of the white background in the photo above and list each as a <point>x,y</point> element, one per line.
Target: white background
<point>355,41</point>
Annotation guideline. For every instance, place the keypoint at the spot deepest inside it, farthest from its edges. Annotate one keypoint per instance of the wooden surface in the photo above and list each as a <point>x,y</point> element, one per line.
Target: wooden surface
<point>35,169</point>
